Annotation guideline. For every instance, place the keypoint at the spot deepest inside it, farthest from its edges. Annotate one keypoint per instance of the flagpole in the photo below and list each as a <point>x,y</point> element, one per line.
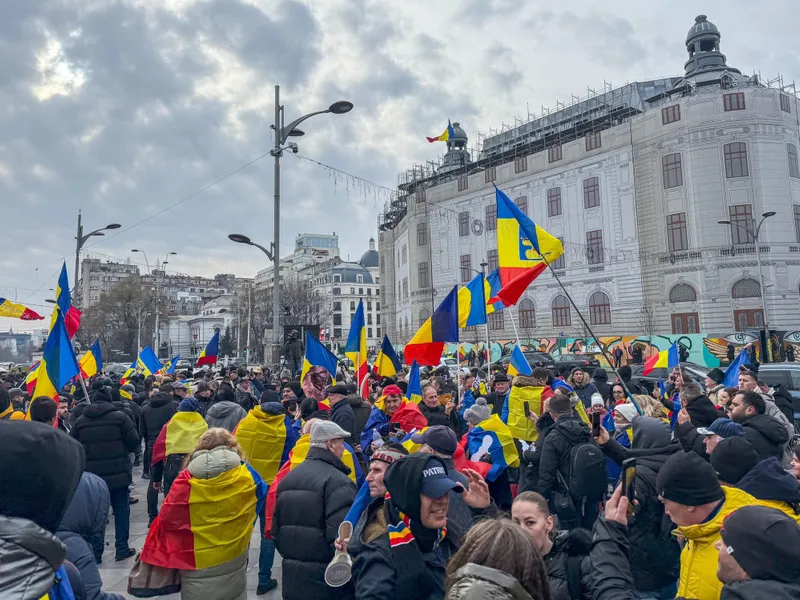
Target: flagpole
<point>513,324</point>
<point>85,391</point>
<point>488,351</point>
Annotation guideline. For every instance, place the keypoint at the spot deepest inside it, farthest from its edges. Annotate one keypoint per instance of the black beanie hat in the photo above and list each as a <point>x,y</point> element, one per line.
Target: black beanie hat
<point>403,481</point>
<point>764,542</point>
<point>689,480</point>
<point>733,458</point>
<point>716,375</point>
<point>40,471</point>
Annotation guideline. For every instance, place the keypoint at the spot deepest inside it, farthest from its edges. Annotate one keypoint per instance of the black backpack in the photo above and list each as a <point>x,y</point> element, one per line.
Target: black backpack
<point>587,472</point>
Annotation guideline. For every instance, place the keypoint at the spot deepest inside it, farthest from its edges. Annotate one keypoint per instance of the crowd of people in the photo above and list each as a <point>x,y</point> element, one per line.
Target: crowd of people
<point>554,485</point>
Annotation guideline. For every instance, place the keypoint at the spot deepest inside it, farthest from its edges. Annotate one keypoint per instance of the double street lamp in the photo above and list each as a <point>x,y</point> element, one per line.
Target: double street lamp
<point>81,239</point>
<point>282,134</point>
<point>754,235</point>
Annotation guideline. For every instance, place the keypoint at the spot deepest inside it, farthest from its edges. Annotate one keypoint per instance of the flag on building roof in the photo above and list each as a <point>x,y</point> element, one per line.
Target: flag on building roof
<point>666,359</point>
<point>493,437</point>
<point>91,363</point>
<point>148,362</point>
<point>428,343</point>
<point>317,355</point>
<point>472,302</point>
<point>414,389</point>
<point>521,244</point>
<point>386,363</point>
<point>179,435</point>
<point>192,531</point>
<point>266,441</point>
<point>209,355</point>
<point>72,316</point>
<point>518,365</point>
<point>448,134</point>
<point>356,347</point>
<point>18,311</point>
<point>58,364</point>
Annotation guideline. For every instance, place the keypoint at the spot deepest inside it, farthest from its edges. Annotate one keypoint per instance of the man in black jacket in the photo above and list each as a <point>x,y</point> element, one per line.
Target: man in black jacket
<point>697,412</point>
<point>108,437</point>
<point>341,412</point>
<point>502,385</point>
<point>767,435</point>
<point>156,412</point>
<point>361,411</point>
<point>436,413</point>
<point>312,502</point>
<point>601,383</point>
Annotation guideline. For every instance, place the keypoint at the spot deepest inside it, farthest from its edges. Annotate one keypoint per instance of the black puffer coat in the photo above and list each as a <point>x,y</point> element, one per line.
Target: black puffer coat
<point>312,502</point>
<point>569,557</point>
<point>438,416</point>
<point>343,416</point>
<point>361,412</point>
<point>156,412</point>
<point>107,436</point>
<point>767,435</point>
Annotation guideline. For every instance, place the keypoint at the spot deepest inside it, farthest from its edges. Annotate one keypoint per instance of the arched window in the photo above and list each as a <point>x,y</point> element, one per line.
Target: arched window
<point>561,315</point>
<point>599,309</point>
<point>682,293</point>
<point>424,315</point>
<point>527,314</point>
<point>746,288</point>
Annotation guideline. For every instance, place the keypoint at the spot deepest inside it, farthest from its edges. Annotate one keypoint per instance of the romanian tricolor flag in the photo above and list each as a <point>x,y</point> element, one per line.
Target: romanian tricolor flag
<point>169,368</point>
<point>266,441</point>
<point>428,343</point>
<point>30,380</point>
<point>205,522</point>
<point>668,359</point>
<point>493,437</point>
<point>72,316</point>
<point>494,285</point>
<point>317,355</point>
<point>356,347</point>
<point>179,435</point>
<point>58,364</point>
<point>447,135</point>
<point>400,533</point>
<point>17,311</point>
<point>91,363</point>
<point>521,244</point>
<point>386,363</point>
<point>414,390</point>
<point>518,365</point>
<point>472,303</point>
<point>209,355</point>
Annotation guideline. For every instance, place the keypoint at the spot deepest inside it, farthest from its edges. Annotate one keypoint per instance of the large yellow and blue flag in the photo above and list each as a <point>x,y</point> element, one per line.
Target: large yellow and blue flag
<point>317,355</point>
<point>414,389</point>
<point>518,365</point>
<point>493,286</point>
<point>428,343</point>
<point>148,362</point>
<point>91,363</point>
<point>356,347</point>
<point>169,368</point>
<point>448,134</point>
<point>58,364</point>
<point>523,248</point>
<point>18,311</point>
<point>472,302</point>
<point>386,363</point>
<point>129,372</point>
<point>71,315</point>
<point>209,355</point>
<point>493,437</point>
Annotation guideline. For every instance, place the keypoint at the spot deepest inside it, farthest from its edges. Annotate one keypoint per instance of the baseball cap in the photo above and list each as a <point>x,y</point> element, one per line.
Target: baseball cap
<point>435,482</point>
<point>722,427</point>
<point>439,437</point>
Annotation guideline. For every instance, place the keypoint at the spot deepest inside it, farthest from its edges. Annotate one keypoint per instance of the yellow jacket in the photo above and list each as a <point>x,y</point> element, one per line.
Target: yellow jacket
<point>11,414</point>
<point>699,557</point>
<point>784,507</point>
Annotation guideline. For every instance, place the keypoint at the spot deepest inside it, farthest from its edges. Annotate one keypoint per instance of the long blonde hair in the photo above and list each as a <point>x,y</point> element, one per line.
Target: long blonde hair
<point>650,406</point>
<point>214,438</point>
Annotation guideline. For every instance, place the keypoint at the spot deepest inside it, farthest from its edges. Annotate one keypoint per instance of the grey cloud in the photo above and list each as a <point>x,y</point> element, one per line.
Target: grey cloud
<point>607,39</point>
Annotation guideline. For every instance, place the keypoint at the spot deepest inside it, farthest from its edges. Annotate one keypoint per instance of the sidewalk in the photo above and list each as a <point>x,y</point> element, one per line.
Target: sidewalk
<point>115,574</point>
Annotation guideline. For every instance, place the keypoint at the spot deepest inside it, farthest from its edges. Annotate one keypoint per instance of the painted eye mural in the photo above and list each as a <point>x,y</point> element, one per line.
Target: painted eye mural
<point>741,338</point>
<point>792,336</point>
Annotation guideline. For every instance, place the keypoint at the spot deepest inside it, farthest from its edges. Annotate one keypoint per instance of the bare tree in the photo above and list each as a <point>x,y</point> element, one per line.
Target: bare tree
<point>647,322</point>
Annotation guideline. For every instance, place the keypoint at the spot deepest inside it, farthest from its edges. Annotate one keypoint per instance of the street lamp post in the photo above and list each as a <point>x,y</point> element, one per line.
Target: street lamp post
<point>146,262</point>
<point>80,239</point>
<point>755,235</point>
<point>158,308</point>
<point>282,133</point>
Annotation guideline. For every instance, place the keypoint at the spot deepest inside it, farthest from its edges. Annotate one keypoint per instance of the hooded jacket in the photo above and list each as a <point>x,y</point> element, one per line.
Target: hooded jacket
<point>343,416</point>
<point>156,412</point>
<point>225,414</point>
<point>655,553</point>
<point>698,579</point>
<point>476,582</point>
<point>566,433</point>
<point>361,412</point>
<point>585,391</point>
<point>766,434</point>
<point>772,486</point>
<point>702,411</point>
<point>600,380</point>
<point>568,546</point>
<point>107,436</point>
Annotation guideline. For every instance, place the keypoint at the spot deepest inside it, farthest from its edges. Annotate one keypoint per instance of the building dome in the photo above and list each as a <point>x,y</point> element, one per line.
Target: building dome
<point>706,63</point>
<point>369,259</point>
<point>701,28</point>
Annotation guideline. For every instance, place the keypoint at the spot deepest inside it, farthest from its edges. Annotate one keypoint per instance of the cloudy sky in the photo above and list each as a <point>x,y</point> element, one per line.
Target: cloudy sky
<point>123,108</point>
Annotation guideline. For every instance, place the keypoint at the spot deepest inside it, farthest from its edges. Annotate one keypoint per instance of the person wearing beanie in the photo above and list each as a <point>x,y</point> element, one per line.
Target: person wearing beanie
<point>732,459</point>
<point>108,437</point>
<point>225,412</point>
<point>477,413</point>
<point>689,489</point>
<point>204,396</point>
<point>380,418</point>
<point>625,373</point>
<point>312,501</point>
<point>266,437</point>
<point>759,554</point>
<point>401,549</point>
<point>600,381</point>
<point>341,413</point>
<point>713,383</point>
<point>33,501</point>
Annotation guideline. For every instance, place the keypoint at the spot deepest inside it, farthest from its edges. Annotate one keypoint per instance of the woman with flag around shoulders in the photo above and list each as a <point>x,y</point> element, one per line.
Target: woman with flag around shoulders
<point>392,416</point>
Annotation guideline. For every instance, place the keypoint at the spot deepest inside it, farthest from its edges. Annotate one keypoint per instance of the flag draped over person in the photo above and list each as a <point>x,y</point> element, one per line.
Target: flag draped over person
<point>58,364</point>
<point>447,135</point>
<point>18,311</point>
<point>386,363</point>
<point>317,355</point>
<point>493,437</point>
<point>266,441</point>
<point>179,435</point>
<point>523,249</point>
<point>666,359</point>
<point>91,363</point>
<point>472,303</point>
<point>71,315</point>
<point>210,353</point>
<point>356,347</point>
<point>518,365</point>
<point>428,343</point>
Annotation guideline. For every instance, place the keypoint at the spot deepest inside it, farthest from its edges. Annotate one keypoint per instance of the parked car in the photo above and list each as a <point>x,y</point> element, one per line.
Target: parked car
<point>587,362</point>
<point>451,364</point>
<point>693,370</point>
<point>535,359</point>
<point>183,363</point>
<point>787,375</point>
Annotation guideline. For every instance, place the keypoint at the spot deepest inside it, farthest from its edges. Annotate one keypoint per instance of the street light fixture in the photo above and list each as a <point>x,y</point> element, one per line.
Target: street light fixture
<point>81,239</point>
<point>243,239</point>
<point>282,133</point>
<point>146,262</point>
<point>755,234</point>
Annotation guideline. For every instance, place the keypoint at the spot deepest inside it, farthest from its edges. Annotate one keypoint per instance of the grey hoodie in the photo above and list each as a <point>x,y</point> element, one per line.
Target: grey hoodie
<point>225,414</point>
